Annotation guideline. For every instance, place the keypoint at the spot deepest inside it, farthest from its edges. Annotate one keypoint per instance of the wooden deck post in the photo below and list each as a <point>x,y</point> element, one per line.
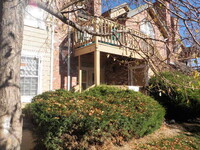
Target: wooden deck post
<point>97,67</point>
<point>96,56</point>
<point>79,74</point>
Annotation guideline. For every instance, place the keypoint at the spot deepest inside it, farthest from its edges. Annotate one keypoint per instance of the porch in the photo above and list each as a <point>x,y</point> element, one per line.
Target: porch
<point>104,68</point>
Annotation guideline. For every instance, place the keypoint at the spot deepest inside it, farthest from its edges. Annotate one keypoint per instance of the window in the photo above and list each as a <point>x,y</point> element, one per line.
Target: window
<point>29,76</point>
<point>34,17</point>
<point>147,28</point>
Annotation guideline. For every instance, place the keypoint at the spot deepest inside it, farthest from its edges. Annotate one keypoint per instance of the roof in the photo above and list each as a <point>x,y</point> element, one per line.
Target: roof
<point>124,5</point>
<point>130,13</point>
<point>138,10</point>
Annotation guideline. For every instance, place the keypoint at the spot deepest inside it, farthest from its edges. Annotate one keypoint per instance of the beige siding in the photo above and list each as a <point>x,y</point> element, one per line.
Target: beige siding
<point>36,42</point>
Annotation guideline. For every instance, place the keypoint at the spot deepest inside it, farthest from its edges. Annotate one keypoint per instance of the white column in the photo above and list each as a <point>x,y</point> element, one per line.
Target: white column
<point>97,67</point>
<point>79,74</point>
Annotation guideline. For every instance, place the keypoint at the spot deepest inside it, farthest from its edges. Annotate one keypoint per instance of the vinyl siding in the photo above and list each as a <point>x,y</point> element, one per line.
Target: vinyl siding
<point>37,42</point>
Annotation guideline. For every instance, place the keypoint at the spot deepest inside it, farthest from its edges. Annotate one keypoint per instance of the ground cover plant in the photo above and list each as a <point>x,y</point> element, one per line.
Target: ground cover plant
<point>67,120</point>
<point>178,93</point>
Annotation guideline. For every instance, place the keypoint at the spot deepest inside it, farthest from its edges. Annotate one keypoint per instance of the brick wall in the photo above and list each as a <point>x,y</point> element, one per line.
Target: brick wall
<point>60,70</point>
<point>135,22</point>
<point>115,74</point>
<point>94,7</point>
<point>60,62</point>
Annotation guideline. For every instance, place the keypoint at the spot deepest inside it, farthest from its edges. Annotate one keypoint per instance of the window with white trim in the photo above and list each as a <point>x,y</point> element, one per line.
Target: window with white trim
<point>29,76</point>
<point>147,28</point>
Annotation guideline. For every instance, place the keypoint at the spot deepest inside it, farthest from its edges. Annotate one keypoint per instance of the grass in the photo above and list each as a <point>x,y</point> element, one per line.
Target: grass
<point>181,142</point>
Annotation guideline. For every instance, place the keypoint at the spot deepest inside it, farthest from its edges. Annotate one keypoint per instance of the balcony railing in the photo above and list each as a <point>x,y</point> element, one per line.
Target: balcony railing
<point>102,26</point>
<point>129,38</point>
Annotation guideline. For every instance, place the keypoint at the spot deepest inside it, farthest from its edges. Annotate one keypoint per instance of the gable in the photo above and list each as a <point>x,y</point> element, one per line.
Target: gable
<point>117,11</point>
<point>137,10</point>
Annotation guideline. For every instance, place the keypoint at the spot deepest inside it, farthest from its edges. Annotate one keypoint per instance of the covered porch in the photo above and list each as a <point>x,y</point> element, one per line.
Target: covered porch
<point>103,68</point>
<point>95,53</point>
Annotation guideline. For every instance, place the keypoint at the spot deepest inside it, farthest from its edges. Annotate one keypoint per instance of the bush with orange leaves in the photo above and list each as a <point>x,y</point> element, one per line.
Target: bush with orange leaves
<point>67,120</point>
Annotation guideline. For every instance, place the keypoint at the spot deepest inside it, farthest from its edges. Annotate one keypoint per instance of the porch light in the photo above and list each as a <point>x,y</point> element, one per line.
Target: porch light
<point>108,55</point>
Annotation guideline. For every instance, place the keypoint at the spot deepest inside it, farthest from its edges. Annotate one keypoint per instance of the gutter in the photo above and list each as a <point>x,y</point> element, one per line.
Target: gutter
<point>52,52</point>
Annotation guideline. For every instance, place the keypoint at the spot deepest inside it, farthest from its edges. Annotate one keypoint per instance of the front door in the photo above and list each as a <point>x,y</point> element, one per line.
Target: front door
<point>87,78</point>
<point>90,78</point>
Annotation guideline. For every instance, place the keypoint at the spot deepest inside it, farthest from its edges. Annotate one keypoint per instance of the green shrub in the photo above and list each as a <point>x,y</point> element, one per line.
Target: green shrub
<point>67,120</point>
<point>178,93</point>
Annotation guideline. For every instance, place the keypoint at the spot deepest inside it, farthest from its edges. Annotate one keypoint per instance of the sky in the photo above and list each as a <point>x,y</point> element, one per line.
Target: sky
<point>108,4</point>
<point>195,62</point>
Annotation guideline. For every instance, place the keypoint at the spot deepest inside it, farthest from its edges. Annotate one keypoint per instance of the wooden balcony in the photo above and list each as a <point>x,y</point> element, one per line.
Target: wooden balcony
<point>116,43</point>
<point>130,43</point>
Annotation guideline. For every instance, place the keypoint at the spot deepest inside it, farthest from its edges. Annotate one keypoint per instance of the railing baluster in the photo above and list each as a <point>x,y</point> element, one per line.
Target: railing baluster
<point>103,26</point>
<point>105,30</point>
<point>109,31</point>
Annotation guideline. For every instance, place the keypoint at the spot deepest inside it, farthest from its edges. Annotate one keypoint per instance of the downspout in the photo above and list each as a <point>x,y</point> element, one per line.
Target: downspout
<point>52,52</point>
<point>68,58</point>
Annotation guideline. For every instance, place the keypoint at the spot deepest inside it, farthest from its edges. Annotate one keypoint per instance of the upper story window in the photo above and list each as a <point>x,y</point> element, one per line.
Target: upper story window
<point>34,17</point>
<point>147,28</point>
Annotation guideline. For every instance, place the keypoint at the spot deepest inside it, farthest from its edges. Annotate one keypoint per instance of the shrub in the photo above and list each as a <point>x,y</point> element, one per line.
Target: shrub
<point>67,120</point>
<point>178,93</point>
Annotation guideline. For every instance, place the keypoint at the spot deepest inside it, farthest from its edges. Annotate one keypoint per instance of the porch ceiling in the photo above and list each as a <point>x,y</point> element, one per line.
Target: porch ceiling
<point>85,50</point>
<point>106,48</point>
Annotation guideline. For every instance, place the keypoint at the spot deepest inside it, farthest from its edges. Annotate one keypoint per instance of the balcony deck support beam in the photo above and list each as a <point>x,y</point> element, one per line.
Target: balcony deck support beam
<point>97,63</point>
<point>79,74</point>
<point>97,67</point>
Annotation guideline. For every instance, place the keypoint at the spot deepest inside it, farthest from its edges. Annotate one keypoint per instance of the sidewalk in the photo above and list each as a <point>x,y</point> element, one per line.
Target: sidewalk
<point>27,135</point>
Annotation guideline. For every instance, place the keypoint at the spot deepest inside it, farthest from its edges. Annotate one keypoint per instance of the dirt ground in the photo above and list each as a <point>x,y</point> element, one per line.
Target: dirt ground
<point>166,131</point>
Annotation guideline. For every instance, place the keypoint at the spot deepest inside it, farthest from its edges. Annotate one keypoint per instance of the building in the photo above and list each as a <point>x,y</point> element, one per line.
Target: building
<point>102,59</point>
<point>96,60</point>
<point>191,57</point>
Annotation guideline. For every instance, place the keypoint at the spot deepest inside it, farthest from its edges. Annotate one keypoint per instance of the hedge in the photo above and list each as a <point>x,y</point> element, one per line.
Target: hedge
<point>178,93</point>
<point>67,120</point>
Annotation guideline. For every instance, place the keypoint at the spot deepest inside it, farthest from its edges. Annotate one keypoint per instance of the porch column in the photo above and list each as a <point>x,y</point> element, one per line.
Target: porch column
<point>97,67</point>
<point>79,74</point>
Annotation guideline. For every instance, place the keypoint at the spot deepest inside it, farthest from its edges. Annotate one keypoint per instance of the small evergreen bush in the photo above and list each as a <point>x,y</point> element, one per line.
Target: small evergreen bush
<point>178,93</point>
<point>68,120</point>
